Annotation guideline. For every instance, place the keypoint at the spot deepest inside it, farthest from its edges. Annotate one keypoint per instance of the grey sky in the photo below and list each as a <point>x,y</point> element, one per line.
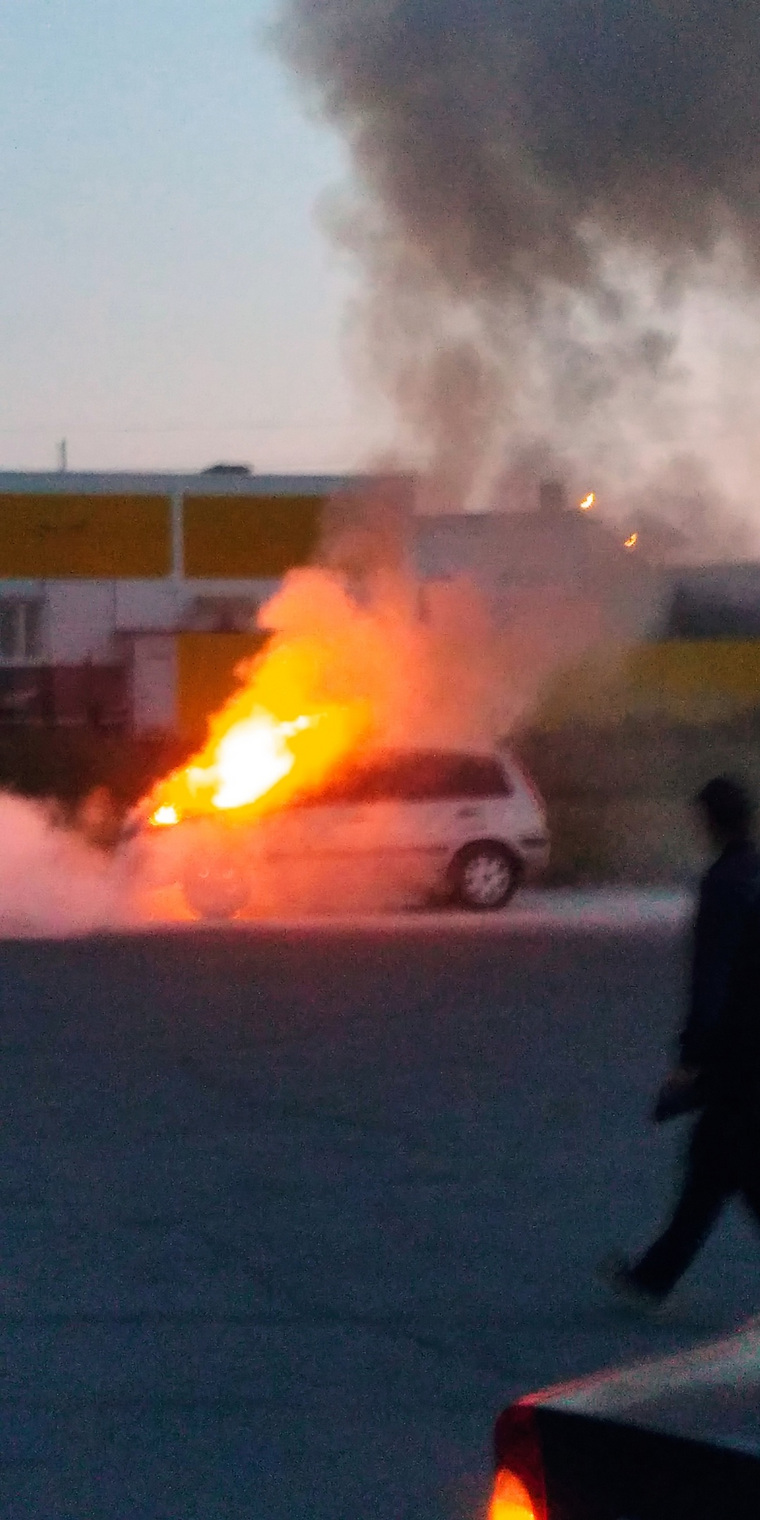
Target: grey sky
<point>166,296</point>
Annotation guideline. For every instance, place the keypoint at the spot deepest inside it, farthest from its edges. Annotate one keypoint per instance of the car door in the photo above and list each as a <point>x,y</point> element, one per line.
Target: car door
<point>320,850</point>
<point>404,822</point>
<point>372,809</point>
<point>321,822</point>
<point>466,798</point>
<point>482,801</point>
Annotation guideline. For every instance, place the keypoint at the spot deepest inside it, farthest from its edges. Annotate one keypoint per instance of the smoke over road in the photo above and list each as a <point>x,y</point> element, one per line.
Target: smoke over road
<point>423,671</point>
<point>557,204</point>
<point>51,881</point>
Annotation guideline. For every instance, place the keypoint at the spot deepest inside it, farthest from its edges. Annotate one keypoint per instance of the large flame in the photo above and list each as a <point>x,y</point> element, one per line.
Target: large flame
<point>280,734</point>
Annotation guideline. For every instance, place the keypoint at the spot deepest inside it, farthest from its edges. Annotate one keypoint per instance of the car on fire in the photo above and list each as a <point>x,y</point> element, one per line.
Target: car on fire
<point>673,1439</point>
<point>460,826</point>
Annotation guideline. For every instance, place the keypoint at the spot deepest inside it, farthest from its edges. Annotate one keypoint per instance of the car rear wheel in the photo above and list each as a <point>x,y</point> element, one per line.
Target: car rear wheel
<point>484,876</point>
<point>215,887</point>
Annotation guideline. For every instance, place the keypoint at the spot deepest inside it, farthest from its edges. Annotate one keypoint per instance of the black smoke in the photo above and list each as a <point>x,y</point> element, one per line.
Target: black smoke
<point>504,152</point>
<point>492,129</point>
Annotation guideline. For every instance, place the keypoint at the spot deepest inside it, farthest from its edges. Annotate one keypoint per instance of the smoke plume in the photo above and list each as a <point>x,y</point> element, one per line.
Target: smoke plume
<point>52,882</point>
<point>557,205</point>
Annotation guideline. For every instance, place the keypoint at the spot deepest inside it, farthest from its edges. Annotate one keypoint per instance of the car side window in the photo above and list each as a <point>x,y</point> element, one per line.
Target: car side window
<point>417,776</point>
<point>384,779</point>
<point>351,784</point>
<point>387,778</point>
<point>429,777</point>
<point>422,778</point>
<point>401,777</point>
<point>376,782</point>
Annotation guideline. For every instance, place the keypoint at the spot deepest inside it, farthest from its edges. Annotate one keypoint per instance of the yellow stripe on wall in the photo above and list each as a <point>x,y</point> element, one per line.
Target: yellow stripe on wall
<point>249,537</point>
<point>84,537</point>
<point>690,667</point>
<point>687,679</point>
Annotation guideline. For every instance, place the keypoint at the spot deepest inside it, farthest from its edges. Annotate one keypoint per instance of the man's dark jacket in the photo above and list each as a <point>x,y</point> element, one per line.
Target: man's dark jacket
<point>727,894</point>
<point>721,1036</point>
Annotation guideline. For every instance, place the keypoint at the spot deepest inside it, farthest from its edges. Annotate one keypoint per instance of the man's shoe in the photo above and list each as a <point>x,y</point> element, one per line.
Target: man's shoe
<point>616,1274</point>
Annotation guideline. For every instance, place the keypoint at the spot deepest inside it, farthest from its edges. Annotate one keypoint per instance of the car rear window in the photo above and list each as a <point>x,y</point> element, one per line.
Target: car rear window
<point>478,776</point>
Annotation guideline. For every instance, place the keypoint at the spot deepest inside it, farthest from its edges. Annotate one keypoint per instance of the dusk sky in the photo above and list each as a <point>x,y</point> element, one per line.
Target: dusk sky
<point>167,297</point>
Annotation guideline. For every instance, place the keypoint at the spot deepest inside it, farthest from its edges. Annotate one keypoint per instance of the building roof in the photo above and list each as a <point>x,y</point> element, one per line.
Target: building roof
<point>18,482</point>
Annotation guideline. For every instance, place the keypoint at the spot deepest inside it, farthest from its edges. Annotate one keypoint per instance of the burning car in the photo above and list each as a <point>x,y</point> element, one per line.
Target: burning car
<point>308,781</point>
<point>672,1439</point>
<point>439,823</point>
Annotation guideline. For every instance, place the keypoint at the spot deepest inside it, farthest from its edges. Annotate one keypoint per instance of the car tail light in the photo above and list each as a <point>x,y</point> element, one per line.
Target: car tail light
<point>519,1490</point>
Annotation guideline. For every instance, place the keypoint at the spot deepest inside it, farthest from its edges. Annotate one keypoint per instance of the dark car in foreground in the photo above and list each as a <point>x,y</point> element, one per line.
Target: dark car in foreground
<point>672,1439</point>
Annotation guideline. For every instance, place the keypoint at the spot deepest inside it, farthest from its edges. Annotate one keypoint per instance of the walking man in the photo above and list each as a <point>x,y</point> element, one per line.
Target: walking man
<point>718,1071</point>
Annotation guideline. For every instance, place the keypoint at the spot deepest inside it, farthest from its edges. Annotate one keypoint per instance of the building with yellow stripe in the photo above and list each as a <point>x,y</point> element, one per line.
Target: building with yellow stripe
<point>131,598</point>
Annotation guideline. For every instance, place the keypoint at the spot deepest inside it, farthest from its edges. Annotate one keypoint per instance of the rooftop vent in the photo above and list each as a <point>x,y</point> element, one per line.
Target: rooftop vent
<point>552,497</point>
<point>228,469</point>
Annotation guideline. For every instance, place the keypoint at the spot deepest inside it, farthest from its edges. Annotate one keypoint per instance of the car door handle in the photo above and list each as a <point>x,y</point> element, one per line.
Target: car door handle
<point>468,812</point>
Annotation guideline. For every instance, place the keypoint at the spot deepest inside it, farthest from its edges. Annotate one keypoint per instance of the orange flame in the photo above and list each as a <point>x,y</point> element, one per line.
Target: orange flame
<point>588,502</point>
<point>511,1500</point>
<point>165,817</point>
<point>280,734</point>
<point>630,543</point>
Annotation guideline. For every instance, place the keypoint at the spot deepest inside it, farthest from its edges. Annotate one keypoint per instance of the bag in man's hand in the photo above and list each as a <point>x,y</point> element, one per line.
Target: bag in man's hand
<point>682,1092</point>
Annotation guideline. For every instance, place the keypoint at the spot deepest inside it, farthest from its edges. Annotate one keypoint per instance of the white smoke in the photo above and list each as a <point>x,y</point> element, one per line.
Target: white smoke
<point>52,882</point>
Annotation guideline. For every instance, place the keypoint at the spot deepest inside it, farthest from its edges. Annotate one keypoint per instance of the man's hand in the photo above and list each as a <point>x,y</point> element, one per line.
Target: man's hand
<point>680,1094</point>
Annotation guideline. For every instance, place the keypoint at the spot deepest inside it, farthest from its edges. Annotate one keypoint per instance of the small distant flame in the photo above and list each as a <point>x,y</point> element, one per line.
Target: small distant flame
<point>165,817</point>
<point>630,543</point>
<point>588,502</point>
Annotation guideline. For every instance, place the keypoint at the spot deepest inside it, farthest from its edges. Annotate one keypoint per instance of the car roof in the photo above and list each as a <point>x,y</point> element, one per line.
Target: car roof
<point>428,752</point>
<point>711,1393</point>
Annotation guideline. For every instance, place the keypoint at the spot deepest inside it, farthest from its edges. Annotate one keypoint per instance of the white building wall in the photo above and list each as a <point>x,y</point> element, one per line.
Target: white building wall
<point>147,605</point>
<point>79,621</point>
<point>153,682</point>
<point>81,617</point>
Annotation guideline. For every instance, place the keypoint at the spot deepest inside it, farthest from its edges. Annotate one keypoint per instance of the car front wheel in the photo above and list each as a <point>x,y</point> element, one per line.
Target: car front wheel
<point>484,876</point>
<point>215,887</point>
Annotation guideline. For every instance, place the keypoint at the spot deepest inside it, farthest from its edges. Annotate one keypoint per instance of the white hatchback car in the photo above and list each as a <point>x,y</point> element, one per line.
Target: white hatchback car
<point>464,827</point>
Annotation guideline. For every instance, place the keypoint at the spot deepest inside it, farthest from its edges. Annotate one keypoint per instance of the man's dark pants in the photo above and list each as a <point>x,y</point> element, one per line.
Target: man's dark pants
<point>723,1159</point>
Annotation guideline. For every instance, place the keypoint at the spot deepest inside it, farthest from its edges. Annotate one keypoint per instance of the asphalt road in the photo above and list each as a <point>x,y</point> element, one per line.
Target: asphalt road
<point>286,1217</point>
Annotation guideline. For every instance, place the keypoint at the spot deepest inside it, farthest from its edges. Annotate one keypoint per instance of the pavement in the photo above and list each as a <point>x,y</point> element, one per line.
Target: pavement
<point>533,908</point>
<point>288,1213</point>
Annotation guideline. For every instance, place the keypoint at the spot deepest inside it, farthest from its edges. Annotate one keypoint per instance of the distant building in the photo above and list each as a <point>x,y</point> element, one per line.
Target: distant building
<point>128,600</point>
<point>111,584</point>
<point>552,553</point>
<point>714,602</point>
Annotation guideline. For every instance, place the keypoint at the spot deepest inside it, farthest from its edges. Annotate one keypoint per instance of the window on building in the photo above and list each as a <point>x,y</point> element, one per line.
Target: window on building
<point>20,632</point>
